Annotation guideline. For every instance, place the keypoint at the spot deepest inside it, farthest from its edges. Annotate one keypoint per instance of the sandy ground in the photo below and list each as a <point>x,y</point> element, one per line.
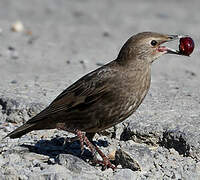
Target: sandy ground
<point>64,40</point>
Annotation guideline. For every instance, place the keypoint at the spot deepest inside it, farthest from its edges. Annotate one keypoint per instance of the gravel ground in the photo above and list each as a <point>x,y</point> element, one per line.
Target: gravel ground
<point>63,40</point>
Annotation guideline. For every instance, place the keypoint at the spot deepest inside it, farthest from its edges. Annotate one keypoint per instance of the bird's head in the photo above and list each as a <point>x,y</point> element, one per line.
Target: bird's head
<point>147,46</point>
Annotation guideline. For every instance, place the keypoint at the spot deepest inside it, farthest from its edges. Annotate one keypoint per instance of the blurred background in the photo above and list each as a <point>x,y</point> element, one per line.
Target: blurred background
<point>54,42</point>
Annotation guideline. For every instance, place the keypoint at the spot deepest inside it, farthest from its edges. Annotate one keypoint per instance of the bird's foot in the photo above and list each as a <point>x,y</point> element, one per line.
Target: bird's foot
<point>105,161</point>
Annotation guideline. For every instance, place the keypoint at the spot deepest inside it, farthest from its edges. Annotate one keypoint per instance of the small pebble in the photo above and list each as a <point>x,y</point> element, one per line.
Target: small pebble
<point>17,27</point>
<point>111,155</point>
<point>51,161</point>
<point>68,62</point>
<point>83,63</point>
<point>106,34</point>
<point>13,82</point>
<point>11,48</point>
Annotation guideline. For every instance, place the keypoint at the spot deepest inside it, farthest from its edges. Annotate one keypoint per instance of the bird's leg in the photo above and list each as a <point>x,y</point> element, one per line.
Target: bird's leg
<point>88,141</point>
<point>82,138</point>
<point>80,135</point>
<point>106,162</point>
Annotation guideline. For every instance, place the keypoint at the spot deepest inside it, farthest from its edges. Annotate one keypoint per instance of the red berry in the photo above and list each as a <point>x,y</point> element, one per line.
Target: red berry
<point>186,46</point>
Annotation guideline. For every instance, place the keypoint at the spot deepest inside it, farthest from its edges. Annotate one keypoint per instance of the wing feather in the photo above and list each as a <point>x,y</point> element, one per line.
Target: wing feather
<point>82,93</point>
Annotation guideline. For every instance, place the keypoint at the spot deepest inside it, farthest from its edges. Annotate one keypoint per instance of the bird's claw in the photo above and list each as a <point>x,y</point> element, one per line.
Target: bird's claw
<point>105,162</point>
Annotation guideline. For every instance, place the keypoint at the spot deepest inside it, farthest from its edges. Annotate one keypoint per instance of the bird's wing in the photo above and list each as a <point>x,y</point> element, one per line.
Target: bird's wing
<point>85,91</point>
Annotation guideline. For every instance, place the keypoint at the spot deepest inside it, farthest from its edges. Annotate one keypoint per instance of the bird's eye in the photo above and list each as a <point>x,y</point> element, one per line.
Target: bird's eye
<point>154,43</point>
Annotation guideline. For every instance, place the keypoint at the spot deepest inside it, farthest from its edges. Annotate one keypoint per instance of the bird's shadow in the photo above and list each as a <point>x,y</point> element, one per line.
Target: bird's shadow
<point>59,145</point>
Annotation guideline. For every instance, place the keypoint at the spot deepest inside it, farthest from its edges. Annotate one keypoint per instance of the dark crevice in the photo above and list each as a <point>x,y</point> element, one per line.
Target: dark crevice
<point>139,137</point>
<point>176,140</point>
<point>3,104</point>
<point>169,139</point>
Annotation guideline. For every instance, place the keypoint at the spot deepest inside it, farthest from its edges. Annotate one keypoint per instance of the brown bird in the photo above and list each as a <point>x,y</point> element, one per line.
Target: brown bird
<point>106,96</point>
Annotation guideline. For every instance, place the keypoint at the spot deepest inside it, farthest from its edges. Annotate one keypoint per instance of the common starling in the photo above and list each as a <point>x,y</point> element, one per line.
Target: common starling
<point>105,96</point>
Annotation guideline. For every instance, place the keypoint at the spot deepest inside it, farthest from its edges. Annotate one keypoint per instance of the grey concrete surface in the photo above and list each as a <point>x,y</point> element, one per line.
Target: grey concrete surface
<point>64,40</point>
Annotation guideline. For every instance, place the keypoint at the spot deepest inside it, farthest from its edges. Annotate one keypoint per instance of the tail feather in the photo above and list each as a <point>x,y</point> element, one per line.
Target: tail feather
<point>20,131</point>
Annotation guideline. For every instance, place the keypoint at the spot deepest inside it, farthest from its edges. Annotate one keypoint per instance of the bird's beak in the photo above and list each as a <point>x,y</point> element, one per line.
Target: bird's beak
<point>170,50</point>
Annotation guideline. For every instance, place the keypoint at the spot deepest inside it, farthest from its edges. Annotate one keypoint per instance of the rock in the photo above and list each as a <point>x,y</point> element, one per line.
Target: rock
<point>74,164</point>
<point>124,159</point>
<point>17,110</point>
<point>125,174</point>
<point>56,172</point>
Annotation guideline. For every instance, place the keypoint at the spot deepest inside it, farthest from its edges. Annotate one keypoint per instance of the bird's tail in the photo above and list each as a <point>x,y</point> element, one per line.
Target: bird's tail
<point>20,131</point>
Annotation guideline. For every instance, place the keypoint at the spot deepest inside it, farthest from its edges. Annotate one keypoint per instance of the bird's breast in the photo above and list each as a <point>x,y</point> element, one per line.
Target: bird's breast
<point>129,94</point>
